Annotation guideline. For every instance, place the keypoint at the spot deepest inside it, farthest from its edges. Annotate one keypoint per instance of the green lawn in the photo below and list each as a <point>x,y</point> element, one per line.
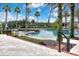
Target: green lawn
<point>37,41</point>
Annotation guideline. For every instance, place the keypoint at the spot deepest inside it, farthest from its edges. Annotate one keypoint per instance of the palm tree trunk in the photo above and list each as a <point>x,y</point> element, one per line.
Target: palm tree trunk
<point>17,20</point>
<point>65,21</point>
<point>37,21</point>
<point>72,21</point>
<point>6,22</point>
<point>68,45</point>
<point>49,16</point>
<point>78,19</point>
<point>68,40</point>
<point>26,22</point>
<point>59,36</point>
<point>26,18</point>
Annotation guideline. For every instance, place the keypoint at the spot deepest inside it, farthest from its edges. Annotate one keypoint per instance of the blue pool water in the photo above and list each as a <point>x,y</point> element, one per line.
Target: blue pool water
<point>51,33</point>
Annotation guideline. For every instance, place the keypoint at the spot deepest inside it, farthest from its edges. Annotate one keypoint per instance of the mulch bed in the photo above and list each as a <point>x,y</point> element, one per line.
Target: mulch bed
<point>76,38</point>
<point>54,45</point>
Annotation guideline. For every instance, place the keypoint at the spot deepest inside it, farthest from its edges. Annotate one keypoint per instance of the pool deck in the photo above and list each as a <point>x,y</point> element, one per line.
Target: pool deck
<point>75,50</point>
<point>72,41</point>
<point>51,43</point>
<point>11,46</point>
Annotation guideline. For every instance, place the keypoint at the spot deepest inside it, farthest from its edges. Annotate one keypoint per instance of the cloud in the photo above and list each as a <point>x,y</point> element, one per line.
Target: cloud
<point>46,20</point>
<point>39,10</point>
<point>11,17</point>
<point>52,20</point>
<point>56,9</point>
<point>39,20</point>
<point>37,5</point>
<point>31,18</point>
<point>54,14</point>
<point>2,16</point>
<point>21,17</point>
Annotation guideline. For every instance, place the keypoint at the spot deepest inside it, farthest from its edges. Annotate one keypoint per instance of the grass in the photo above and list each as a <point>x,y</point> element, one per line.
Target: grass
<point>33,40</point>
<point>37,41</point>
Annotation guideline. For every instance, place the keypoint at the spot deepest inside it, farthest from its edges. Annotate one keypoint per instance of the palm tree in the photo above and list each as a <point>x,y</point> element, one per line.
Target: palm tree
<point>27,14</point>
<point>6,9</point>
<point>59,25</point>
<point>17,10</point>
<point>37,14</point>
<point>66,14</point>
<point>72,6</point>
<point>52,6</point>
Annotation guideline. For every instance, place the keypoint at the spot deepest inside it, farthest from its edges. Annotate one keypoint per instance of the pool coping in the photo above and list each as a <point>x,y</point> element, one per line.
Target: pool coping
<point>64,40</point>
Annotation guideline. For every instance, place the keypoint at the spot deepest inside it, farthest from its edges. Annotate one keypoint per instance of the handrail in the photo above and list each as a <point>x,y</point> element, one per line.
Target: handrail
<point>64,36</point>
<point>68,42</point>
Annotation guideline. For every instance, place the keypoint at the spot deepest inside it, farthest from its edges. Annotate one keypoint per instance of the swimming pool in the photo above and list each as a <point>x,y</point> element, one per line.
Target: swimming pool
<point>52,33</point>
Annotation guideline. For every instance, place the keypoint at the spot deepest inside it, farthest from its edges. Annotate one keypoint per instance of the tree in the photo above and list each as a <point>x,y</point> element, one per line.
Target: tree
<point>51,6</point>
<point>11,24</point>
<point>37,14</point>
<point>17,10</point>
<point>59,25</point>
<point>6,9</point>
<point>27,13</point>
<point>32,21</point>
<point>54,25</point>
<point>72,6</point>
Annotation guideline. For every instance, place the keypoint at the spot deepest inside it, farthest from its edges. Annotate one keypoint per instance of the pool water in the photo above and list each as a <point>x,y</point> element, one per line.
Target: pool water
<point>52,33</point>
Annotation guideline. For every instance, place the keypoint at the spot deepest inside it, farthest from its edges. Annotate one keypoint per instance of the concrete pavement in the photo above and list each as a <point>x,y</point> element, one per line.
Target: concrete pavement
<point>11,46</point>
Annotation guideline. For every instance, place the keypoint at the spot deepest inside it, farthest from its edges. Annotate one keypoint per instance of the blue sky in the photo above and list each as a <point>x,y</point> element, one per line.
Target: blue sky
<point>43,9</point>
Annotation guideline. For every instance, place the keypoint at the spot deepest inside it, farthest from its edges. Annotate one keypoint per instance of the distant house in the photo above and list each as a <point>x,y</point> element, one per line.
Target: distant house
<point>67,25</point>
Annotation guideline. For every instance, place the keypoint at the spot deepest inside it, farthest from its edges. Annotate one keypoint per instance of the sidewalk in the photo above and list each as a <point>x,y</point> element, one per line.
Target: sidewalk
<point>11,46</point>
<point>75,49</point>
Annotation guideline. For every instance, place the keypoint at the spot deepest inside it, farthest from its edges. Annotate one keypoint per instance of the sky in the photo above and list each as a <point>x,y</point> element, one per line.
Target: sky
<point>41,7</point>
